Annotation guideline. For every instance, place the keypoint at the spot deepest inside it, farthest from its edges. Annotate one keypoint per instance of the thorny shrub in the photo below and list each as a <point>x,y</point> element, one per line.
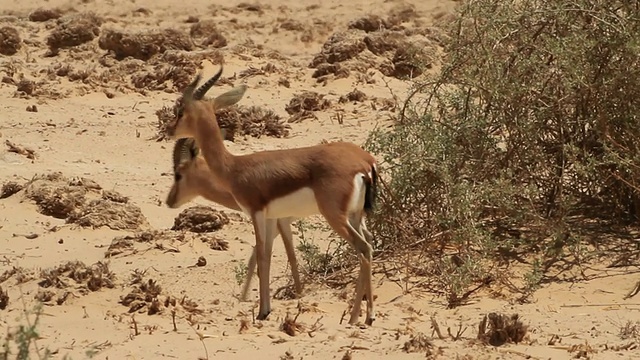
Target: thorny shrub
<point>522,147</point>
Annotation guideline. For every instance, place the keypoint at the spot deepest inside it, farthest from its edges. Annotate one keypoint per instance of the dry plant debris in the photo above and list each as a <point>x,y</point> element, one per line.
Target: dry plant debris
<point>418,343</point>
<point>82,201</point>
<point>290,325</point>
<point>104,212</point>
<point>254,121</point>
<point>145,297</point>
<point>86,278</point>
<point>42,14</point>
<point>14,148</point>
<point>144,45</point>
<point>303,104</point>
<point>10,41</point>
<point>73,30</point>
<point>54,195</point>
<point>498,329</point>
<point>200,219</point>
<point>339,47</point>
<point>353,96</point>
<point>10,188</point>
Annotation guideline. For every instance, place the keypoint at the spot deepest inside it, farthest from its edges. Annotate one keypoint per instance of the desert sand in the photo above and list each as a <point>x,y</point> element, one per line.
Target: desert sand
<point>91,137</point>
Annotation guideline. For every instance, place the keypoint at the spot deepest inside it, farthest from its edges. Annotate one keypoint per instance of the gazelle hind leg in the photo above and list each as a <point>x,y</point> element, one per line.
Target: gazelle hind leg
<point>284,227</point>
<point>259,226</point>
<point>364,287</point>
<point>341,225</point>
<point>271,230</point>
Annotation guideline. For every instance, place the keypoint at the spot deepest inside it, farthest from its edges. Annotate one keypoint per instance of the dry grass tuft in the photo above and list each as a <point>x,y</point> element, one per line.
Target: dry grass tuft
<point>200,219</point>
<point>498,329</point>
<point>10,188</point>
<point>144,45</point>
<point>73,30</point>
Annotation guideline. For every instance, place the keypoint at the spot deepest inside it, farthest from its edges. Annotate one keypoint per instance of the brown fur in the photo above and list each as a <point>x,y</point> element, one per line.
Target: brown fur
<point>258,178</point>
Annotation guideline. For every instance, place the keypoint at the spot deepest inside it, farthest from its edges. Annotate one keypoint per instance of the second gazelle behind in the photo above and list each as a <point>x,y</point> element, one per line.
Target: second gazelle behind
<point>337,180</point>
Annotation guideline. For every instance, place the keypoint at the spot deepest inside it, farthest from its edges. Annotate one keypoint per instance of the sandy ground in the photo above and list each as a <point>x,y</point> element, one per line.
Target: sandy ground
<point>92,128</point>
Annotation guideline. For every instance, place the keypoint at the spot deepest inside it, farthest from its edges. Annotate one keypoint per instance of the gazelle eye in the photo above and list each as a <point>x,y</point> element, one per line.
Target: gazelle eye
<point>177,176</point>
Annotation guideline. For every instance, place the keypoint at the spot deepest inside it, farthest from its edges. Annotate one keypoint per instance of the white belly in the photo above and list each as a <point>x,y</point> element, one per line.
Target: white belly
<point>300,203</point>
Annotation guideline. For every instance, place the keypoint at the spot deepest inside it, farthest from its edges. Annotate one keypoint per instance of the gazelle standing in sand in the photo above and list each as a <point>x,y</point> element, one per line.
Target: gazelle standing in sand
<point>192,178</point>
<point>337,180</point>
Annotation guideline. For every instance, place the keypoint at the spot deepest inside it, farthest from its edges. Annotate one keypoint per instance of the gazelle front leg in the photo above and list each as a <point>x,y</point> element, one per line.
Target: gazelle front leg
<point>258,219</point>
<point>272,233</point>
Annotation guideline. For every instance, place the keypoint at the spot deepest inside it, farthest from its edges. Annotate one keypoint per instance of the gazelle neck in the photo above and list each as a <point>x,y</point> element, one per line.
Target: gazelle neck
<point>209,139</point>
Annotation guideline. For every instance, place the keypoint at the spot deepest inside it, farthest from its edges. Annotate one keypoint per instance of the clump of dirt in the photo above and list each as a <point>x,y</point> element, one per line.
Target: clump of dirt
<point>208,31</point>
<point>10,188</point>
<point>145,297</point>
<point>381,42</point>
<point>368,23</point>
<point>55,195</point>
<point>105,212</point>
<point>400,13</point>
<point>10,41</point>
<point>339,47</point>
<point>498,329</point>
<point>303,104</point>
<point>200,219</point>
<point>353,96</point>
<point>122,244</point>
<point>74,274</point>
<point>73,30</point>
<point>144,45</point>
<point>4,299</point>
<point>324,69</point>
<point>42,14</point>
<point>253,121</point>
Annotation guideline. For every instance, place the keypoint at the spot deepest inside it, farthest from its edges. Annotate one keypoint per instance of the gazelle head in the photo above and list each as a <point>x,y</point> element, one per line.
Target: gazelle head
<point>186,169</point>
<point>192,108</point>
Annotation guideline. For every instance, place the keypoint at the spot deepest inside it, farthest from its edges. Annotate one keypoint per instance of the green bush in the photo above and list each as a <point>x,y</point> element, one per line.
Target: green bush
<point>525,146</point>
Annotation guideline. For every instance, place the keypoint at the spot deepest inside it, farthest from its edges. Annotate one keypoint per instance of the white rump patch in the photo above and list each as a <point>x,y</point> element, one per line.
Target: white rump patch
<point>300,203</point>
<point>356,201</point>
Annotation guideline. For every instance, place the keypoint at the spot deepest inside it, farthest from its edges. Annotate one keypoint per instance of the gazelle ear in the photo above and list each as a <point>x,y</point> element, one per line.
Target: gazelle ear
<point>230,97</point>
<point>223,132</point>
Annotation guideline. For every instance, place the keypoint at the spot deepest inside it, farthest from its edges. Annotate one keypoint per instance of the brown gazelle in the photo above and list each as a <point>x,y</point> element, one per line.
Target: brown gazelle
<point>337,180</point>
<point>192,178</point>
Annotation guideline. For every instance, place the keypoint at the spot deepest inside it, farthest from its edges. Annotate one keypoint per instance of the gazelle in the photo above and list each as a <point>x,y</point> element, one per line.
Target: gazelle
<point>192,178</point>
<point>337,180</point>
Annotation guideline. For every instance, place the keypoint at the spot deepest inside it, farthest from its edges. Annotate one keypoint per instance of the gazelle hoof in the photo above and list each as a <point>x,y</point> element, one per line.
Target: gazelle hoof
<point>263,316</point>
